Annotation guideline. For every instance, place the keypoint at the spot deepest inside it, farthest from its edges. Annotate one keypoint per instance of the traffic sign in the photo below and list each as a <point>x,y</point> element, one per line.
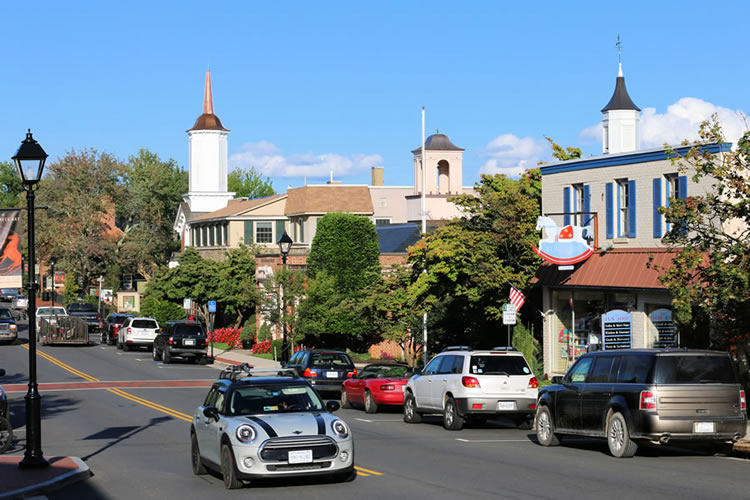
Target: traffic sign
<point>509,314</point>
<point>187,303</point>
<point>212,306</point>
<point>509,307</point>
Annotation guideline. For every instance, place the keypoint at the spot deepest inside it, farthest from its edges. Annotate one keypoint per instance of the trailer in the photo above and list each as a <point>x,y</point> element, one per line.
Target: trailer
<point>67,330</point>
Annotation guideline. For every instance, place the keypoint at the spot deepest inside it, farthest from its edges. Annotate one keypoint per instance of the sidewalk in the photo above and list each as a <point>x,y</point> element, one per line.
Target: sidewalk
<point>21,483</point>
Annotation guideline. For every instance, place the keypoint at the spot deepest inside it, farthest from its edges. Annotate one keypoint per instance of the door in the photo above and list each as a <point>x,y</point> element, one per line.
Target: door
<point>568,400</point>
<point>357,386</point>
<point>443,378</point>
<point>596,393</point>
<point>213,431</point>
<point>423,383</point>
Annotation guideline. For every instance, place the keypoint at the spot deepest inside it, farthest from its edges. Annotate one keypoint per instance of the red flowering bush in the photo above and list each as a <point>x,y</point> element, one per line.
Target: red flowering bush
<point>262,347</point>
<point>229,336</point>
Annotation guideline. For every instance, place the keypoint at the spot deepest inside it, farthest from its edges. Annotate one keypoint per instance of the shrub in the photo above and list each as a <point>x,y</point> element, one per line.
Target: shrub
<point>263,347</point>
<point>525,342</point>
<point>248,331</point>
<point>264,333</point>
<point>161,310</point>
<point>229,336</point>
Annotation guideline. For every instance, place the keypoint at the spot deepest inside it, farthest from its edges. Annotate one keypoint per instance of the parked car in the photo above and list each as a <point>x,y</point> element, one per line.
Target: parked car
<point>252,426</point>
<point>20,306</point>
<point>137,332</point>
<point>8,294</point>
<point>184,339</point>
<point>376,385</point>
<point>50,314</point>
<point>638,395</point>
<point>325,369</point>
<point>462,383</point>
<point>8,327</point>
<point>88,312</point>
<point>112,325</point>
<point>6,431</point>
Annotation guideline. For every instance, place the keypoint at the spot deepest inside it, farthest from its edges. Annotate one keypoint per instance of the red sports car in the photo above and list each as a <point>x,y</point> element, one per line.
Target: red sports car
<point>377,384</point>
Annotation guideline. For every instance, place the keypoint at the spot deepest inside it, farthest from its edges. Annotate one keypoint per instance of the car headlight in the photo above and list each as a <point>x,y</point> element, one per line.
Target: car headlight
<point>13,327</point>
<point>340,428</point>
<point>246,433</point>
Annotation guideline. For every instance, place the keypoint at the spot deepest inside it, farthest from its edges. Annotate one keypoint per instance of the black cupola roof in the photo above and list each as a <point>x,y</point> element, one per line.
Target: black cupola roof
<point>620,99</point>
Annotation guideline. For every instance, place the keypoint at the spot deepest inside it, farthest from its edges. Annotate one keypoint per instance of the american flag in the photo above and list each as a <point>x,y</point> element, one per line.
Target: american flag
<point>516,297</point>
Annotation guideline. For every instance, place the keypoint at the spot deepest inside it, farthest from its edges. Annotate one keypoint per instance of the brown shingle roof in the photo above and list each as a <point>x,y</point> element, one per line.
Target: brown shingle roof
<point>617,268</point>
<point>329,198</point>
<point>238,206</point>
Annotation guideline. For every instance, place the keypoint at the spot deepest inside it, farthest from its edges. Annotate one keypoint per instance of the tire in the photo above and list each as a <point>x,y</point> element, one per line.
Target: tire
<point>452,421</point>
<point>345,400</point>
<point>155,354</point>
<point>119,345</point>
<point>195,456</point>
<point>125,347</point>
<point>344,477</point>
<point>6,435</point>
<point>370,405</point>
<point>618,437</point>
<point>525,423</point>
<point>411,416</point>
<point>545,429</point>
<point>166,358</point>
<point>228,469</point>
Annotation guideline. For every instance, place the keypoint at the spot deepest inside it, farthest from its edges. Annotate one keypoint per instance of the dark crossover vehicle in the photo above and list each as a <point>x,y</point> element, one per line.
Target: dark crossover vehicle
<point>87,312</point>
<point>184,339</point>
<point>326,370</point>
<point>8,327</point>
<point>8,294</point>
<point>112,326</point>
<point>6,431</point>
<point>640,395</point>
<point>252,426</point>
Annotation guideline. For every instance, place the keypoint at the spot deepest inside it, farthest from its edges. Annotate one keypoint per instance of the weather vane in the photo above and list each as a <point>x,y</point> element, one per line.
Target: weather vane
<point>619,49</point>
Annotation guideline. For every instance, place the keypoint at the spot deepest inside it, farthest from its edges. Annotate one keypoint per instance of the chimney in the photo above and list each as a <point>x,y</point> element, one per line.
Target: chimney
<point>378,176</point>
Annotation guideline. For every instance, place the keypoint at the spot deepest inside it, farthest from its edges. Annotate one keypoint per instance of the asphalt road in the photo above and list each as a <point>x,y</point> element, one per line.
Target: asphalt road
<point>135,440</point>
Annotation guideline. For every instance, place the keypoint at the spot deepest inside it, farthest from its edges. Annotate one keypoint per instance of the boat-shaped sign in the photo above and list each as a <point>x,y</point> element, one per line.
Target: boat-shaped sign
<point>562,246</point>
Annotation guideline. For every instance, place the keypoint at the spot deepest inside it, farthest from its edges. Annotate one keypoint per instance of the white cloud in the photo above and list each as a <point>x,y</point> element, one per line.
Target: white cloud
<point>510,155</point>
<point>269,161</point>
<point>681,121</point>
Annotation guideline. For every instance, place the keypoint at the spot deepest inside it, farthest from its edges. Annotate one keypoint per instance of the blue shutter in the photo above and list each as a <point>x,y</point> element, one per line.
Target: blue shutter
<point>586,204</point>
<point>631,209</point>
<point>657,204</point>
<point>682,187</point>
<point>248,232</point>
<point>566,206</point>
<point>609,209</point>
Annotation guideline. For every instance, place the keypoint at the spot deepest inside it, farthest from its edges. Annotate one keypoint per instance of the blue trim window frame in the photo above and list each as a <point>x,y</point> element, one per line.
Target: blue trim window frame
<point>657,217</point>
<point>671,188</point>
<point>609,210</point>
<point>578,204</point>
<point>622,208</point>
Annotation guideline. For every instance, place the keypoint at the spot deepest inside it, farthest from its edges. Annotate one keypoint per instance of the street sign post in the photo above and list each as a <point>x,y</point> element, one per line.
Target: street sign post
<point>509,318</point>
<point>212,306</point>
<point>211,311</point>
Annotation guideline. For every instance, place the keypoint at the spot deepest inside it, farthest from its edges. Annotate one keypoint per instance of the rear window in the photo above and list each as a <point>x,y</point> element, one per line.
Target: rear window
<point>188,330</point>
<point>694,370</point>
<point>331,359</point>
<point>634,369</point>
<point>499,365</point>
<point>6,314</point>
<point>144,323</point>
<point>82,307</point>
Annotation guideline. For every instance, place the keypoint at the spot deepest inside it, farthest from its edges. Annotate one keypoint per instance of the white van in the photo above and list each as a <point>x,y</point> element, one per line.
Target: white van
<point>137,332</point>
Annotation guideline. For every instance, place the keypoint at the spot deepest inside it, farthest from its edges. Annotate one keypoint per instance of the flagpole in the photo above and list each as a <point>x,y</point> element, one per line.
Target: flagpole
<point>424,231</point>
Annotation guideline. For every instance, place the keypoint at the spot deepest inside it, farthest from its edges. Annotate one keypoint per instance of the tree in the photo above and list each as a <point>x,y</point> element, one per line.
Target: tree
<point>711,271</point>
<point>294,287</point>
<point>237,287</point>
<point>10,185</point>
<point>249,184</point>
<point>562,154</point>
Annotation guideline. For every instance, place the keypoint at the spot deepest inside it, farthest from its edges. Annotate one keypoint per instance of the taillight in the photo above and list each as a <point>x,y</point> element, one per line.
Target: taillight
<point>648,400</point>
<point>470,382</point>
<point>170,341</point>
<point>116,328</point>
<point>309,373</point>
<point>351,373</point>
<point>387,387</point>
<point>743,401</point>
<point>128,330</point>
<point>477,406</point>
<point>533,383</point>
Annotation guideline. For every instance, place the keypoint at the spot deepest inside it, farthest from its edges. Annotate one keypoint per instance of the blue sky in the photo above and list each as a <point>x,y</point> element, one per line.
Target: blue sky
<point>309,87</point>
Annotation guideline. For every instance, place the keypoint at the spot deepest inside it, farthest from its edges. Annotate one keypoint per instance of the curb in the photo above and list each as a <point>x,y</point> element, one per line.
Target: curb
<point>41,481</point>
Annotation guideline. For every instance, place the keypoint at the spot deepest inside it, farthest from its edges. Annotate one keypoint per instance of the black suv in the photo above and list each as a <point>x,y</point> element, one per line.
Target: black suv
<point>112,326</point>
<point>326,370</point>
<point>641,395</point>
<point>184,339</point>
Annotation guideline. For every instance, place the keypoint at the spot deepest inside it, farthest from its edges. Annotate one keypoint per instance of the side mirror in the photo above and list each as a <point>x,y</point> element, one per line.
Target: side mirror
<point>557,379</point>
<point>211,412</point>
<point>332,406</point>
<point>417,371</point>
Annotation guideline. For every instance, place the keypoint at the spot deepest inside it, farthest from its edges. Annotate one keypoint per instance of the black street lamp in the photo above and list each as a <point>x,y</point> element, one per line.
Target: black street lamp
<point>285,244</point>
<point>29,160</point>
<point>52,262</point>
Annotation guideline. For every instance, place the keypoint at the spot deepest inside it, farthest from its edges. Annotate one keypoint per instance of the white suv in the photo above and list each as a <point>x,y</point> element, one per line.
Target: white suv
<point>137,332</point>
<point>462,383</point>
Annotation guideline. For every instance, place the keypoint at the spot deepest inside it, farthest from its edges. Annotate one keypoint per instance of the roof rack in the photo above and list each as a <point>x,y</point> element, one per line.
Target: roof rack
<point>237,372</point>
<point>458,348</point>
<point>503,348</point>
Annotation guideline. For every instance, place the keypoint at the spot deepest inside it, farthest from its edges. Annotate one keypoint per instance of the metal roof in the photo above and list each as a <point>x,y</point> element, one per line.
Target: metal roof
<point>396,238</point>
<point>620,99</point>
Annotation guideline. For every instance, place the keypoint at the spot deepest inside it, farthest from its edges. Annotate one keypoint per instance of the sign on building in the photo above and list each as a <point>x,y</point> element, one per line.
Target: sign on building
<point>666,330</point>
<point>565,245</point>
<point>11,261</point>
<point>617,330</point>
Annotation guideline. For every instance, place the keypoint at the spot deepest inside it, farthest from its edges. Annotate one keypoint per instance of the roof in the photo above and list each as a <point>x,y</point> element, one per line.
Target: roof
<point>208,120</point>
<point>396,238</point>
<point>327,199</point>
<point>238,206</point>
<point>620,99</point>
<point>617,268</point>
<point>438,142</point>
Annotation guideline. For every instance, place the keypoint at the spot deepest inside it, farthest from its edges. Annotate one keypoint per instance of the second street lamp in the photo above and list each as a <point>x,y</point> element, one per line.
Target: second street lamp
<point>29,161</point>
<point>285,245</point>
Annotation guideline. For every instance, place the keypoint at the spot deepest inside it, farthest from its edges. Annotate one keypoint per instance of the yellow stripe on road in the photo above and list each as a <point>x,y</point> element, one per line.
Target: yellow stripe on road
<point>367,471</point>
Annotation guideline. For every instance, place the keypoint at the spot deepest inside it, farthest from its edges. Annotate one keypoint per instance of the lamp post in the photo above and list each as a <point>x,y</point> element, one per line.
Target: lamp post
<point>29,160</point>
<point>52,262</point>
<point>285,244</point>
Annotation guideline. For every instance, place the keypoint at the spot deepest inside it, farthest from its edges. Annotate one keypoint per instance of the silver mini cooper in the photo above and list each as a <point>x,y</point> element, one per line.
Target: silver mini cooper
<point>252,427</point>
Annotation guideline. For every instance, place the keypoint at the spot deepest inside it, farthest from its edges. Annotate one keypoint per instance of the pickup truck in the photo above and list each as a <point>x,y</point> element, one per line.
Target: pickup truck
<point>87,312</point>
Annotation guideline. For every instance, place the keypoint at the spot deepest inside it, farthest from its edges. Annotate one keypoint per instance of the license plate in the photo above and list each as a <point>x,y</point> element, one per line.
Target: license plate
<point>506,405</point>
<point>332,374</point>
<point>300,457</point>
<point>703,427</point>
<point>189,341</point>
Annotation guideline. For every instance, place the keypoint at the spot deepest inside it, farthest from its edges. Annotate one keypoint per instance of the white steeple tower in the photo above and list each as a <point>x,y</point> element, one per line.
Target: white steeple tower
<point>208,159</point>
<point>620,117</point>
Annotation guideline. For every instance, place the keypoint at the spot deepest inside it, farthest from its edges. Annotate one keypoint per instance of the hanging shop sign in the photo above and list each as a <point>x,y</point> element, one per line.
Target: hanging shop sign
<point>665,328</point>
<point>617,330</point>
<point>562,246</point>
<point>11,261</point>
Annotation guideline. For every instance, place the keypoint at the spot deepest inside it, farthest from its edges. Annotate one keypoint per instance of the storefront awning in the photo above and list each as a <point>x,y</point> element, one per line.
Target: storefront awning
<point>616,268</point>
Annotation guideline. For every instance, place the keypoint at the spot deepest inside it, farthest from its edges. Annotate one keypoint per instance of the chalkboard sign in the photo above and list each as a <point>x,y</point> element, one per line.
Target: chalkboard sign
<point>617,330</point>
<point>665,327</point>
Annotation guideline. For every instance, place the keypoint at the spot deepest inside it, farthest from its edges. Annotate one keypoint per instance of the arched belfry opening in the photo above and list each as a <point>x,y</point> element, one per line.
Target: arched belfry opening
<point>443,174</point>
<point>442,163</point>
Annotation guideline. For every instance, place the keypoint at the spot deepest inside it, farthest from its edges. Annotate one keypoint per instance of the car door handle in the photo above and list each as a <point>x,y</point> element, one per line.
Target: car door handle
<point>578,393</point>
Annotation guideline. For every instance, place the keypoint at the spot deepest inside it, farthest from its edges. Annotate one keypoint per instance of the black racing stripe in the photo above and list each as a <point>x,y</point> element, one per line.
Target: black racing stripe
<point>269,430</point>
<point>321,424</point>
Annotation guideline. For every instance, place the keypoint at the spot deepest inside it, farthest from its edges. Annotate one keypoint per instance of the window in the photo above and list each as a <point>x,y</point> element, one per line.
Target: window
<point>204,236</point>
<point>382,222</point>
<point>600,374</point>
<point>432,366</point>
<point>701,369</point>
<point>264,232</point>
<point>498,365</point>
<point>225,239</point>
<point>578,204</point>
<point>579,371</point>
<point>623,221</point>
<point>212,235</point>
<point>447,365</point>
<point>634,369</point>
<point>331,360</point>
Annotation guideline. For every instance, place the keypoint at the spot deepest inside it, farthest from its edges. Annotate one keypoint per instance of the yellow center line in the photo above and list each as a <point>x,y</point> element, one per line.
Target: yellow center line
<point>368,471</point>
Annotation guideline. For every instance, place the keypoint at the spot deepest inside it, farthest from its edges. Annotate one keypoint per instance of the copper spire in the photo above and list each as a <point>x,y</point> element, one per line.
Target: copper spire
<point>208,101</point>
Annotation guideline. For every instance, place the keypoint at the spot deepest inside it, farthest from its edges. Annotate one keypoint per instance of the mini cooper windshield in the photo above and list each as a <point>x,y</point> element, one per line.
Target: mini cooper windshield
<point>273,398</point>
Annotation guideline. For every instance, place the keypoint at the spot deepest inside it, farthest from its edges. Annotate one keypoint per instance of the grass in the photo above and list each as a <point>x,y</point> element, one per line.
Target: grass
<point>264,355</point>
<point>219,345</point>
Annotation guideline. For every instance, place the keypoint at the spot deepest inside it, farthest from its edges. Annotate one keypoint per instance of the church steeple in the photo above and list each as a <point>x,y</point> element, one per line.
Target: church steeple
<point>621,117</point>
<point>208,100</point>
<point>208,120</point>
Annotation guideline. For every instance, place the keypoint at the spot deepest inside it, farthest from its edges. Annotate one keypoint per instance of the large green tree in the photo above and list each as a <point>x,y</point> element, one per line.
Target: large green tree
<point>236,284</point>
<point>249,184</point>
<point>10,185</point>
